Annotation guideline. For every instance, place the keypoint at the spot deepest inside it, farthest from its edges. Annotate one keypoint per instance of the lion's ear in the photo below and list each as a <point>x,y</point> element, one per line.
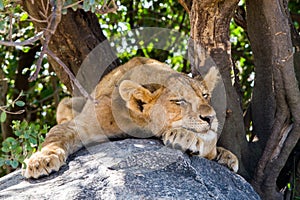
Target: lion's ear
<point>212,78</point>
<point>135,95</point>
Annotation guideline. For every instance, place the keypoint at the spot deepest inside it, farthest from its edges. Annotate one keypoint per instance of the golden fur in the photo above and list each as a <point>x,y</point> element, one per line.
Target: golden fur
<point>141,98</point>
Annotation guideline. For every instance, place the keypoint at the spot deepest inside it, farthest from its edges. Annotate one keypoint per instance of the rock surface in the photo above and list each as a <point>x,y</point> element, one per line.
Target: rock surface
<point>131,169</point>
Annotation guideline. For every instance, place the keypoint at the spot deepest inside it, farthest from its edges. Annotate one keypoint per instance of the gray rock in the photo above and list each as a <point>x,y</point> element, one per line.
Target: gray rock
<point>131,169</point>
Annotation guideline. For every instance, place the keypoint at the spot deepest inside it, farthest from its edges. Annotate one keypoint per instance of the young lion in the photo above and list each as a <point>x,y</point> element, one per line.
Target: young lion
<point>141,98</point>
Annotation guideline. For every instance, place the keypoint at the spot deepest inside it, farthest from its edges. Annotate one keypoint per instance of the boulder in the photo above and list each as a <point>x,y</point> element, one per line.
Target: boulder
<point>131,169</point>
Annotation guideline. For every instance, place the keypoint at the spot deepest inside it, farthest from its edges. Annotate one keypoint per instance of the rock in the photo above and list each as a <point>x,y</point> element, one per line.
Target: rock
<point>131,169</point>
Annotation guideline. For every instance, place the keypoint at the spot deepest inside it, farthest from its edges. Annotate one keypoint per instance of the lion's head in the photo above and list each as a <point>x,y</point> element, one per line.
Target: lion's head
<point>179,103</point>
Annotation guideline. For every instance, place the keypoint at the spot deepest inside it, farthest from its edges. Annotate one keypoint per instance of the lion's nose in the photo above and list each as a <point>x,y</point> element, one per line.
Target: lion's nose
<point>209,119</point>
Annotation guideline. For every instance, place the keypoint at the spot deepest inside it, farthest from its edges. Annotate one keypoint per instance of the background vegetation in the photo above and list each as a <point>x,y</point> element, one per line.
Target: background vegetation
<point>23,132</point>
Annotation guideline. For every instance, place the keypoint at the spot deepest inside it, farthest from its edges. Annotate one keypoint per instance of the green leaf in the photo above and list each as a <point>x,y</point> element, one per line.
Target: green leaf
<point>20,103</point>
<point>93,9</point>
<point>33,141</point>
<point>14,164</point>
<point>8,162</point>
<point>21,158</point>
<point>23,17</point>
<point>26,135</point>
<point>24,124</point>
<point>92,2</point>
<point>75,7</point>
<point>3,115</point>
<point>16,124</point>
<point>86,6</point>
<point>37,127</point>
<point>5,149</point>
<point>64,11</point>
<point>289,186</point>
<point>14,145</point>
<point>18,150</point>
<point>18,133</point>
<point>29,148</point>
<point>10,140</point>
<point>41,139</point>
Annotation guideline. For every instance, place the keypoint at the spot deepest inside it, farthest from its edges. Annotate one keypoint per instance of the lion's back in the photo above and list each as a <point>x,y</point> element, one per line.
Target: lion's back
<point>108,82</point>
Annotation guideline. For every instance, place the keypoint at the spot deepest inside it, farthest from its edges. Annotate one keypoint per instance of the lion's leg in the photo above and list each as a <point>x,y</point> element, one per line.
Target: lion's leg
<point>225,157</point>
<point>94,124</point>
<point>68,108</point>
<point>61,141</point>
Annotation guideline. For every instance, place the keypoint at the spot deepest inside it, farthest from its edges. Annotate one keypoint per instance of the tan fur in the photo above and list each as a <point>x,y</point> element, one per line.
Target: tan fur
<point>68,108</point>
<point>141,98</point>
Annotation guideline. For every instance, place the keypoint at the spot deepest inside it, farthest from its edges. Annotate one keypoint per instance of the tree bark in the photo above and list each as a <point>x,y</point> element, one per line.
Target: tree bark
<point>263,100</point>
<point>273,41</point>
<point>77,34</point>
<point>210,22</point>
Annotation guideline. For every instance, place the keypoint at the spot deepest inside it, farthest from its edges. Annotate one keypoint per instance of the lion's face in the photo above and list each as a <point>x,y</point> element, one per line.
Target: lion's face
<point>182,102</point>
<point>187,106</point>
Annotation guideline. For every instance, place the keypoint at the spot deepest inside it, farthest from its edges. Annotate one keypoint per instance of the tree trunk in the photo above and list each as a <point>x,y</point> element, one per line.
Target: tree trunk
<point>263,98</point>
<point>210,22</point>
<point>272,48</point>
<point>77,34</point>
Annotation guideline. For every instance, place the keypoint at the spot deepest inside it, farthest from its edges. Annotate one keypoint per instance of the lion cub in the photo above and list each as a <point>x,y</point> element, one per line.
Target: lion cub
<point>141,98</point>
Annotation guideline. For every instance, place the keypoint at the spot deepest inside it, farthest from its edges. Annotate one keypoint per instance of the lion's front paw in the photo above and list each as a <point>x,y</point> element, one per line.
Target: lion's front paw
<point>178,138</point>
<point>43,163</point>
<point>225,157</point>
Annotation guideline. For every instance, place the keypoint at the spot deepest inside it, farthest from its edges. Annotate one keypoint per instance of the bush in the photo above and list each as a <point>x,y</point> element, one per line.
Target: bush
<point>29,137</point>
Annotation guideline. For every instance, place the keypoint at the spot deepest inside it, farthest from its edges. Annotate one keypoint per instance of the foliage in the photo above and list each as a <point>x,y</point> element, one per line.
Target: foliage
<point>243,58</point>
<point>38,98</point>
<point>29,137</point>
<point>36,95</point>
<point>132,15</point>
<point>4,111</point>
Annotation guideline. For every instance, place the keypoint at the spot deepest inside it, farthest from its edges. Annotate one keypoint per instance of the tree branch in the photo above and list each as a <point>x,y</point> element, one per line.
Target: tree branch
<point>4,108</point>
<point>186,4</point>
<point>71,75</point>
<point>55,18</point>
<point>73,4</point>
<point>111,7</point>
<point>30,41</point>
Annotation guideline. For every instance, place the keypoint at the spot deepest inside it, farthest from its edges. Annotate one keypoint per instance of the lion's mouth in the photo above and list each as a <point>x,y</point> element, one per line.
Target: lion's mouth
<point>197,130</point>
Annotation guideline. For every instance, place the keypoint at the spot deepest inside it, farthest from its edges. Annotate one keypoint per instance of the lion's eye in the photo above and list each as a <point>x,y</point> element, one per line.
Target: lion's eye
<point>205,95</point>
<point>179,101</point>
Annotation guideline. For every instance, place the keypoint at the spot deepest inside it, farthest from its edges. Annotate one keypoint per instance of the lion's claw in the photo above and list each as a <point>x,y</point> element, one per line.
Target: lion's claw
<point>43,163</point>
<point>225,157</point>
